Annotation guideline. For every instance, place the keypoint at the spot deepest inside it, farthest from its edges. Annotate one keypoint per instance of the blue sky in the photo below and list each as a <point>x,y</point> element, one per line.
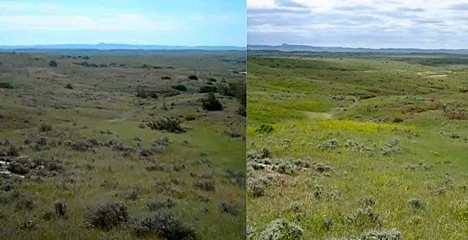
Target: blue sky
<point>156,22</point>
<point>359,23</point>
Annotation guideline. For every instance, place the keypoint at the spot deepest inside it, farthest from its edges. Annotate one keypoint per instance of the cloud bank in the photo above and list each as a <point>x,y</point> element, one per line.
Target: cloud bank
<point>359,23</point>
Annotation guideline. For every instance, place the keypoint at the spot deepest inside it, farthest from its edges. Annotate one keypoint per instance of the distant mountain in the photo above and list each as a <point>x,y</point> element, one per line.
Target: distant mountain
<point>290,48</point>
<point>114,46</point>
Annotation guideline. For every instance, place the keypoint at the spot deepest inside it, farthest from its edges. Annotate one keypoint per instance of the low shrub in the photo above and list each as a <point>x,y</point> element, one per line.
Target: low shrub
<point>6,85</point>
<point>193,77</point>
<point>211,103</point>
<point>162,225</point>
<point>281,229</point>
<point>170,124</point>
<point>179,87</point>
<point>157,204</point>
<point>53,63</point>
<point>207,89</point>
<point>107,215</point>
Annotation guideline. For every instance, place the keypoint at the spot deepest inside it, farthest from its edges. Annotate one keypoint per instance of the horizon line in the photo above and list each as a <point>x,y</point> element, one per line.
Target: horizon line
<point>372,48</point>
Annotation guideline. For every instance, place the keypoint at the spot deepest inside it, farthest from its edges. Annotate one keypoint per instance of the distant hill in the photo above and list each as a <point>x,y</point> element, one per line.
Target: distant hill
<point>291,48</point>
<point>112,46</point>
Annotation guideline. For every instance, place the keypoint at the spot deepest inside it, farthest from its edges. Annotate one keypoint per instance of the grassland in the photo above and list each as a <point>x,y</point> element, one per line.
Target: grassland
<point>76,136</point>
<point>341,144</point>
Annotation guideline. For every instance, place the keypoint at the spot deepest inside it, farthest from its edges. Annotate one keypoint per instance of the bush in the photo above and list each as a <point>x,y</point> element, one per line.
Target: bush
<point>207,185</point>
<point>210,103</point>
<point>45,128</point>
<point>60,209</point>
<point>257,187</point>
<point>157,204</point>
<point>169,124</point>
<point>53,63</point>
<point>365,217</point>
<point>281,229</point>
<point>328,145</point>
<point>6,85</point>
<point>107,215</point>
<point>415,203</point>
<point>162,225</point>
<point>381,235</point>
<point>179,87</point>
<point>193,77</point>
<point>227,207</point>
<point>144,92</point>
<point>207,89</point>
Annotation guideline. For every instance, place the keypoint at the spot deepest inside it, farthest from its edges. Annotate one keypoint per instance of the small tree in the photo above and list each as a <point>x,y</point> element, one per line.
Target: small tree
<point>53,63</point>
<point>211,103</point>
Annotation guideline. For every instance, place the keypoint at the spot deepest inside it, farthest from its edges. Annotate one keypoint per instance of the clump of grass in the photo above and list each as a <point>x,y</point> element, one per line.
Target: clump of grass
<point>355,146</point>
<point>107,215</point>
<point>391,147</point>
<point>60,209</point>
<point>45,128</point>
<point>157,204</point>
<point>415,203</point>
<point>189,117</point>
<point>329,145</point>
<point>145,91</point>
<point>257,187</point>
<point>211,103</point>
<point>227,207</point>
<point>170,124</point>
<point>264,128</point>
<point>368,201</point>
<point>365,217</point>
<point>281,229</point>
<point>162,225</point>
<point>205,184</point>
<point>381,235</point>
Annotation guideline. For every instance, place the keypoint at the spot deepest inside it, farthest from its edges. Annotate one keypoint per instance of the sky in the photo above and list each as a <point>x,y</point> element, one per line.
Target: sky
<point>430,24</point>
<point>144,22</point>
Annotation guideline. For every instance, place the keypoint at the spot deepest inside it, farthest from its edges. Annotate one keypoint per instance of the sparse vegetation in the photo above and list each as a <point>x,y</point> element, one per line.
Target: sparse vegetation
<point>78,157</point>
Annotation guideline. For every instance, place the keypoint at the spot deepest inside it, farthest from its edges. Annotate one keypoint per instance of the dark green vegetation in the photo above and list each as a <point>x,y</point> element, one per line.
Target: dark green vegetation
<point>98,147</point>
<point>357,146</point>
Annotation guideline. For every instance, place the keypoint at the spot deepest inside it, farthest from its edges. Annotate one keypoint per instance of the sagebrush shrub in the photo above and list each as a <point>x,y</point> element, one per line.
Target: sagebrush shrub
<point>162,225</point>
<point>107,215</point>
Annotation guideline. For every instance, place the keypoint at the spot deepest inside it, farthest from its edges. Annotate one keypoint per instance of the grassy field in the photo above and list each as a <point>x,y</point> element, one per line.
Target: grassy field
<point>78,159</point>
<point>348,146</point>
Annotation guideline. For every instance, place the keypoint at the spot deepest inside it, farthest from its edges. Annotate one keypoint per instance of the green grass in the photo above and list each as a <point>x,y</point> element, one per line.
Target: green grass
<point>310,100</point>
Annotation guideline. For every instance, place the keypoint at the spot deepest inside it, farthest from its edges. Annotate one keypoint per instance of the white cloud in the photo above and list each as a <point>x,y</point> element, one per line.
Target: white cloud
<point>410,22</point>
